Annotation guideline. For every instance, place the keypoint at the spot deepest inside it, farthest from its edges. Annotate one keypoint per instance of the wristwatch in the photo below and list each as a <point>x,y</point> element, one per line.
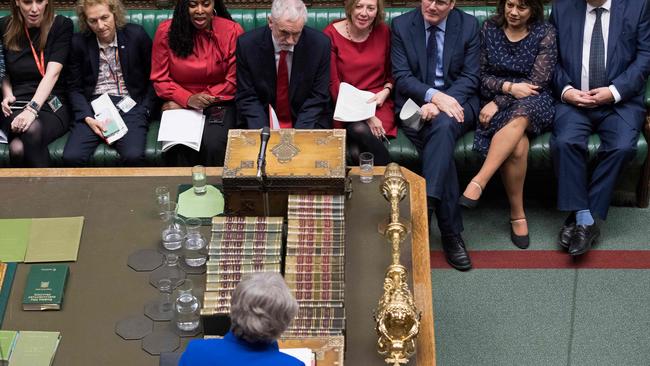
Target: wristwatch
<point>33,105</point>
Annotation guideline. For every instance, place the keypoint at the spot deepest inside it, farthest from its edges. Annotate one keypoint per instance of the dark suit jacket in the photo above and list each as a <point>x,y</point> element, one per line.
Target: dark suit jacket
<point>461,58</point>
<point>308,86</point>
<point>628,51</point>
<point>134,48</point>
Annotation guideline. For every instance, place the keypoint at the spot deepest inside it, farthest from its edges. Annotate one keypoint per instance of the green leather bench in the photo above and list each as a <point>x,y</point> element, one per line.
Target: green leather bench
<point>632,188</point>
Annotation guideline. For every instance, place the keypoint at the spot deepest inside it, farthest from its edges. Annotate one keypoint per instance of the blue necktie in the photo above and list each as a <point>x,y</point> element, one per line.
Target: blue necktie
<point>432,51</point>
<point>597,72</point>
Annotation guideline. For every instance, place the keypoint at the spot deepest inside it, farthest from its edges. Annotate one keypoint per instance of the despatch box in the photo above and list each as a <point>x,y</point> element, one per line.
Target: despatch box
<point>297,162</point>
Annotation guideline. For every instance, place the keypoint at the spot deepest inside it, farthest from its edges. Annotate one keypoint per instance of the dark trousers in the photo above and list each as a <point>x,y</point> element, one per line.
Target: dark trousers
<point>213,144</point>
<point>573,126</point>
<point>436,142</point>
<point>83,141</point>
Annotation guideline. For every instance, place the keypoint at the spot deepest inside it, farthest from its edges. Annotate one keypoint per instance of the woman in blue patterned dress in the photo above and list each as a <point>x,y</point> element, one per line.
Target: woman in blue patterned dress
<point>2,63</point>
<point>518,55</point>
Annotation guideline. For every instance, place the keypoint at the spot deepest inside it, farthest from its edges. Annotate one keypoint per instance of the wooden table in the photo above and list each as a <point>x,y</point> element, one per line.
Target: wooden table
<point>118,205</point>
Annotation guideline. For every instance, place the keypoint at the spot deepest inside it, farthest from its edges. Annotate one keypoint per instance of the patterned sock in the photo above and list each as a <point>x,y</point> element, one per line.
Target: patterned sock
<point>583,217</point>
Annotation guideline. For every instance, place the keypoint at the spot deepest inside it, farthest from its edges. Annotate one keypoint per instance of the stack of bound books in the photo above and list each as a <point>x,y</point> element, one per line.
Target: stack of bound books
<point>239,245</point>
<point>315,264</point>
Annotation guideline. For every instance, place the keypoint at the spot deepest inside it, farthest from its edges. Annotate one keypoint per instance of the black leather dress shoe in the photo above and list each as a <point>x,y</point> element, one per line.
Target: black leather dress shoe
<point>583,239</point>
<point>455,252</point>
<point>569,226</point>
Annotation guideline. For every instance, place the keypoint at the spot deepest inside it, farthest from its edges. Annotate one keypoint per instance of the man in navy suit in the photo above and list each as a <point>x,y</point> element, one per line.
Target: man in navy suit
<point>435,57</point>
<point>109,56</point>
<point>285,65</point>
<point>600,78</point>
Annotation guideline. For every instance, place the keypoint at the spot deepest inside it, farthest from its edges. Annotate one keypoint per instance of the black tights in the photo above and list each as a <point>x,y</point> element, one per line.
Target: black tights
<point>360,139</point>
<point>28,149</point>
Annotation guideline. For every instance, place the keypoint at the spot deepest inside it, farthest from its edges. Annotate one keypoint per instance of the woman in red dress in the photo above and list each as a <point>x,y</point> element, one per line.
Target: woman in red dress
<point>193,66</point>
<point>361,57</point>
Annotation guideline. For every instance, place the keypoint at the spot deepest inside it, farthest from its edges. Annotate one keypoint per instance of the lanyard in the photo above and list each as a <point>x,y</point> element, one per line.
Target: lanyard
<point>111,71</point>
<point>40,64</point>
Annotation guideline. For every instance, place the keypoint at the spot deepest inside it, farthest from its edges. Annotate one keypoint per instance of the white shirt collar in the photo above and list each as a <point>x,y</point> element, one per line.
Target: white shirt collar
<point>607,5</point>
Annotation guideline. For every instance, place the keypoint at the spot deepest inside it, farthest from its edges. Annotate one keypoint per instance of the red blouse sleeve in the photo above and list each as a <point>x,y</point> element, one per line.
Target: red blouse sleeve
<point>227,34</point>
<point>335,81</point>
<point>161,57</point>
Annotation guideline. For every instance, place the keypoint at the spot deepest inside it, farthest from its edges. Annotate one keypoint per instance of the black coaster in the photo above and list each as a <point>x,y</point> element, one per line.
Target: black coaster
<point>152,310</point>
<point>145,260</point>
<point>134,327</point>
<point>160,341</point>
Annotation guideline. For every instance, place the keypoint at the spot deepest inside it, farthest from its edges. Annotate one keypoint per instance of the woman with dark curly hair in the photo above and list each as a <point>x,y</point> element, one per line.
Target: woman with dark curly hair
<point>193,66</point>
<point>518,56</point>
<point>34,111</point>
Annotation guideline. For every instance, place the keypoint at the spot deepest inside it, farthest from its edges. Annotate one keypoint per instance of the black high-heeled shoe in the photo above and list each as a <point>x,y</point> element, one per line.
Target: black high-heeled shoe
<point>468,202</point>
<point>521,241</point>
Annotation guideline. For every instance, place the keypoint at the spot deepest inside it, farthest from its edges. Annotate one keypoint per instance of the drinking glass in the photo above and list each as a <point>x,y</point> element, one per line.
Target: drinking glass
<point>186,307</point>
<point>174,229</point>
<point>366,162</point>
<point>162,200</point>
<point>194,244</point>
<point>199,180</point>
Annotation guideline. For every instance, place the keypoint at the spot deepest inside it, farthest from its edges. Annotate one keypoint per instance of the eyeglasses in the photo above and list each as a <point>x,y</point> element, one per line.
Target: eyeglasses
<point>438,3</point>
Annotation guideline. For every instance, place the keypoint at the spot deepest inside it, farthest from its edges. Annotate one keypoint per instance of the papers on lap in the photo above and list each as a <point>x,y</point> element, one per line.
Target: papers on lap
<point>181,126</point>
<point>352,104</point>
<point>106,111</point>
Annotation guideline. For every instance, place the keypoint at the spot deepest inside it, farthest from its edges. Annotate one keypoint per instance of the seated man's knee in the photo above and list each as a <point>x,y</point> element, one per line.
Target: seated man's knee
<point>132,157</point>
<point>74,157</point>
<point>625,152</point>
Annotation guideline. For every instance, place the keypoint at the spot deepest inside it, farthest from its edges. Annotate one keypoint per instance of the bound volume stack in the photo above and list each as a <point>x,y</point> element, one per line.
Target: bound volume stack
<point>315,264</point>
<point>239,245</point>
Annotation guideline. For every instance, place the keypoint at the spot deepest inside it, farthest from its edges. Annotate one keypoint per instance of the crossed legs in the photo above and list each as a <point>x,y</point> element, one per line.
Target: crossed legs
<point>508,151</point>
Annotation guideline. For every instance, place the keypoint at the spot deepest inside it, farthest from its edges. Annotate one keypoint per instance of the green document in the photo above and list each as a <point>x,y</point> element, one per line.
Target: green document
<point>54,239</point>
<point>35,348</point>
<point>7,341</point>
<point>207,205</point>
<point>14,239</point>
<point>45,286</point>
<point>5,287</point>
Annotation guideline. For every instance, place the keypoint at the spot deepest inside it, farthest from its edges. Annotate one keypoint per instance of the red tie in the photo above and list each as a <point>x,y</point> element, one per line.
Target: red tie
<point>282,107</point>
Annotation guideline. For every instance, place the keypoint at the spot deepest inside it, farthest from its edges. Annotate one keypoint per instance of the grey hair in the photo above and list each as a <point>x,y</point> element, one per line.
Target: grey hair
<point>288,9</point>
<point>262,307</point>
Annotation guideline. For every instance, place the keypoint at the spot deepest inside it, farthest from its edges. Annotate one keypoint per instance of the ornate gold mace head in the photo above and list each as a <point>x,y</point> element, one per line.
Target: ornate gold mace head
<point>397,319</point>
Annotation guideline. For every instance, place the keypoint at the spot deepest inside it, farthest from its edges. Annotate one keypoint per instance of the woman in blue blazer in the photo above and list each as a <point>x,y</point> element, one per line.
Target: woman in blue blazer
<point>261,309</point>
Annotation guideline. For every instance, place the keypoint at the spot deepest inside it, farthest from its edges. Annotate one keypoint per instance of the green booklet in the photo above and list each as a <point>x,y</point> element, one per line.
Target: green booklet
<point>44,287</point>
<point>7,342</point>
<point>34,348</point>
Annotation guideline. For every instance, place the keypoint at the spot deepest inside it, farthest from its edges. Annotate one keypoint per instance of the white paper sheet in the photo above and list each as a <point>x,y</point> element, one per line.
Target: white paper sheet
<point>352,104</point>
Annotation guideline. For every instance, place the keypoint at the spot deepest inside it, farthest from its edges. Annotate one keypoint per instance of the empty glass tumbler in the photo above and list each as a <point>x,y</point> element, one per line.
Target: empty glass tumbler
<point>194,244</point>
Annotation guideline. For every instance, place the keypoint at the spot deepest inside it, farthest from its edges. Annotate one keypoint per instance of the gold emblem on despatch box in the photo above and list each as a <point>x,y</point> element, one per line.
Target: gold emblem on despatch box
<point>45,284</point>
<point>286,149</point>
